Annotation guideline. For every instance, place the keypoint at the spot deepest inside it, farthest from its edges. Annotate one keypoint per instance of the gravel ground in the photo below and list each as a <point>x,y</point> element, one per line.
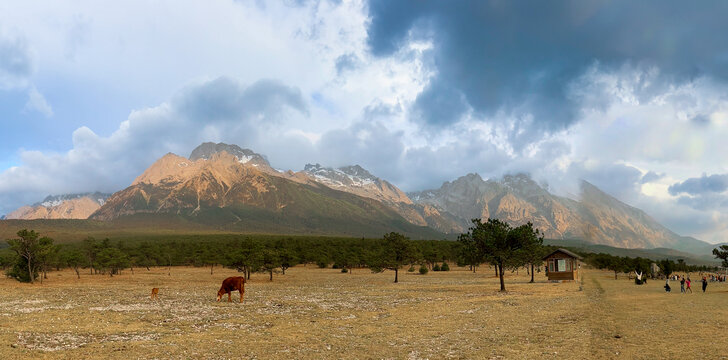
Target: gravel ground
<point>312,313</point>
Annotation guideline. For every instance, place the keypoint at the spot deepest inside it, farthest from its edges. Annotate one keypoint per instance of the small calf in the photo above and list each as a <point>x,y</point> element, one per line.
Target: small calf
<point>155,293</point>
<point>231,284</point>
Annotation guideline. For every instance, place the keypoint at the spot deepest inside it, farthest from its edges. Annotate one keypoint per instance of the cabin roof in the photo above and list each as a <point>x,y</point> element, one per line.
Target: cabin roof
<point>567,252</point>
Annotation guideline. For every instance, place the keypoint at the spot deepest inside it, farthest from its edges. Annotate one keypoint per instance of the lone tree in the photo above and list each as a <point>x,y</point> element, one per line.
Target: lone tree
<point>532,252</point>
<point>468,253</point>
<point>666,267</point>
<point>74,259</point>
<point>112,260</point>
<point>30,250</point>
<point>618,265</point>
<point>270,261</point>
<point>245,256</point>
<point>503,246</point>
<point>722,254</point>
<point>396,250</point>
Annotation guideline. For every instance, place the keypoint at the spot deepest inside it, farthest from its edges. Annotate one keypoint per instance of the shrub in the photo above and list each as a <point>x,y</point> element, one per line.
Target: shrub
<point>322,264</point>
<point>445,267</point>
<point>344,270</point>
<point>336,266</point>
<point>411,269</point>
<point>423,270</point>
<point>436,267</point>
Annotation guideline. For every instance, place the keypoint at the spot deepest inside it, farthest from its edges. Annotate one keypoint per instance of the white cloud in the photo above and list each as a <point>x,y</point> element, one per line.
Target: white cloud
<point>198,67</point>
<point>37,102</point>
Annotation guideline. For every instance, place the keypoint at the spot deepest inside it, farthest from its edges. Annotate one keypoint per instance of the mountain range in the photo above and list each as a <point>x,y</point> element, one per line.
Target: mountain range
<point>68,206</point>
<point>225,187</point>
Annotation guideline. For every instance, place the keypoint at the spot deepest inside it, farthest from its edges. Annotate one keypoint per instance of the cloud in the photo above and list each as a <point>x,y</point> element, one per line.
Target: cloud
<point>346,62</point>
<point>651,176</point>
<point>221,109</point>
<point>705,184</point>
<point>417,92</point>
<point>37,102</point>
<point>16,71</point>
<point>15,62</point>
<point>521,57</point>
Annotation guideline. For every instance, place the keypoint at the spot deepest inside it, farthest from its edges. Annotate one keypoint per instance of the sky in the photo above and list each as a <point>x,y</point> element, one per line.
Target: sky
<point>630,96</point>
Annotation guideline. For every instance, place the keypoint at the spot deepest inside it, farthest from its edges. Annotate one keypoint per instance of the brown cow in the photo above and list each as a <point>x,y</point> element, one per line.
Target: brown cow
<point>231,284</point>
<point>155,292</point>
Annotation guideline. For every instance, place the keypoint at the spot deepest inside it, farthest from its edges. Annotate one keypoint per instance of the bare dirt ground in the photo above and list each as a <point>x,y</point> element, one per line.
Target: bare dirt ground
<point>323,314</point>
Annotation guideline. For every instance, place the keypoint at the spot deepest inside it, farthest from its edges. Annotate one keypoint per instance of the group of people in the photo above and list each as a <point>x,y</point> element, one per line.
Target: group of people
<point>685,284</point>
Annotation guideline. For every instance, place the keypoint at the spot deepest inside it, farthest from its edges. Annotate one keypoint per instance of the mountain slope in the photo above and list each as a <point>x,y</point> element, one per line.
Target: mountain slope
<point>596,217</point>
<point>69,206</point>
<point>612,222</point>
<point>221,191</point>
<point>357,180</point>
<point>516,199</point>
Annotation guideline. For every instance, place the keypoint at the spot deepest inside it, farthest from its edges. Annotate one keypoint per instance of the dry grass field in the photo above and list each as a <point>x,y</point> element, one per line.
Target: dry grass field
<point>323,314</point>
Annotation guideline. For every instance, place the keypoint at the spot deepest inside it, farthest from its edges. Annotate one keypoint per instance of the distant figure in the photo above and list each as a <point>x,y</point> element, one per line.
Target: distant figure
<point>231,284</point>
<point>705,283</point>
<point>667,285</point>
<point>155,293</point>
<point>682,285</point>
<point>688,286</point>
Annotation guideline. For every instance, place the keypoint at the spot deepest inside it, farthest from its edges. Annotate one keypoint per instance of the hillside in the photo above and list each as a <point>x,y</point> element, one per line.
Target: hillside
<point>595,217</point>
<point>70,206</point>
<point>222,192</point>
<point>223,187</point>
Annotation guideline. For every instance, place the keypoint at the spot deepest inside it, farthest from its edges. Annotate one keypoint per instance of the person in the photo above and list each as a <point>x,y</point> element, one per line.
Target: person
<point>682,285</point>
<point>667,285</point>
<point>687,282</point>
<point>705,283</point>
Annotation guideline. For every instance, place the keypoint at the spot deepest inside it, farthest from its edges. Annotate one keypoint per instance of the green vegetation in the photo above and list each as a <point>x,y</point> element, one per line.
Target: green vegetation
<point>497,243</point>
<point>722,254</point>
<point>626,264</point>
<point>31,255</point>
<point>34,253</point>
<point>269,254</point>
<point>423,270</point>
<point>393,252</point>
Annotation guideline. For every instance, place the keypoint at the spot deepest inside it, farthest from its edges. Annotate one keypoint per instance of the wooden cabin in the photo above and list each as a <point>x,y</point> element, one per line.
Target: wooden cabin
<point>561,265</point>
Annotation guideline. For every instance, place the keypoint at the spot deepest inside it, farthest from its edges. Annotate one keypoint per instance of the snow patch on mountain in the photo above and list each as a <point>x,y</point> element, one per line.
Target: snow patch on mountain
<point>56,200</point>
<point>343,177</point>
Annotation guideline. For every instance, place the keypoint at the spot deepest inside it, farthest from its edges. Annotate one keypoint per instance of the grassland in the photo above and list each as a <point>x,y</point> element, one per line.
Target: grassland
<point>321,314</point>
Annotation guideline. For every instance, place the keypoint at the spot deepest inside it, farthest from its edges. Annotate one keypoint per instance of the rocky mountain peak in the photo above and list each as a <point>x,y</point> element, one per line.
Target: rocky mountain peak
<point>244,156</point>
<point>55,200</point>
<point>341,177</point>
<point>66,206</point>
<point>356,180</point>
<point>523,184</point>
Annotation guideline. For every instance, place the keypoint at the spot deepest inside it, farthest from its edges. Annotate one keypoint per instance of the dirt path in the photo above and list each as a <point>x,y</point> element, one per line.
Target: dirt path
<point>643,322</point>
<point>606,336</point>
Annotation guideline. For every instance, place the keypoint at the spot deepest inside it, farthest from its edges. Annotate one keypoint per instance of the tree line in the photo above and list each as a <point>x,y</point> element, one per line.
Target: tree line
<point>31,256</point>
<point>494,242</point>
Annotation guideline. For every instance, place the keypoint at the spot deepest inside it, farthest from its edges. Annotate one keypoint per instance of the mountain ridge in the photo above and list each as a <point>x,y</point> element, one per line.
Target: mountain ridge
<point>66,206</point>
<point>226,186</point>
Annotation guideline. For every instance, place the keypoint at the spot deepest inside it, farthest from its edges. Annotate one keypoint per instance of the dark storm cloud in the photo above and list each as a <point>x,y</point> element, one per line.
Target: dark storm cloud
<point>520,57</point>
<point>705,202</point>
<point>716,183</point>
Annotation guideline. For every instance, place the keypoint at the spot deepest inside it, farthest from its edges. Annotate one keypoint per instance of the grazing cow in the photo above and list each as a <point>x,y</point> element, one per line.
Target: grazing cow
<point>231,284</point>
<point>155,292</point>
